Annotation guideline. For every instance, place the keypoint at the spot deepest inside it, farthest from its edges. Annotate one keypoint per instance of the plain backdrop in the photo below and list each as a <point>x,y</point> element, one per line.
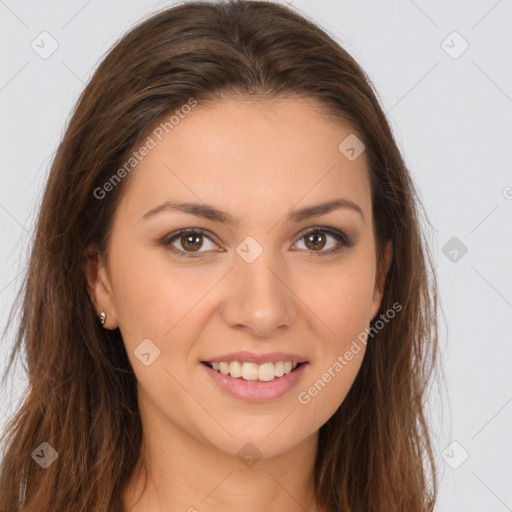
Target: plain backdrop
<point>443,75</point>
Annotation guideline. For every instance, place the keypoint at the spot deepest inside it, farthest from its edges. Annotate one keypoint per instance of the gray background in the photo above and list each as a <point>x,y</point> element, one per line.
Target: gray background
<point>451,113</point>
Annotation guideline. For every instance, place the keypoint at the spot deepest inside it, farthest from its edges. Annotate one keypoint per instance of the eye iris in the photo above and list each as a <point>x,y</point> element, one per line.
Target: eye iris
<point>191,241</point>
<point>314,237</point>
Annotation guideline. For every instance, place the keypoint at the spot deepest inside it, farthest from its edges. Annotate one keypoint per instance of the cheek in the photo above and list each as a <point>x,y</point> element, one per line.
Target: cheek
<point>152,295</point>
<point>325,390</point>
<point>341,302</point>
<point>340,299</point>
<point>345,308</point>
<point>339,359</point>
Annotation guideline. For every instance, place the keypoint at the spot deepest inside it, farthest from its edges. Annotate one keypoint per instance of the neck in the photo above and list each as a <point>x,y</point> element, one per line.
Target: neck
<point>184,474</point>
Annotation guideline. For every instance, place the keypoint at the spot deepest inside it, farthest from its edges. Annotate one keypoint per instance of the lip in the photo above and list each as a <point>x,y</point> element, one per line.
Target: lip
<point>250,357</point>
<point>253,390</point>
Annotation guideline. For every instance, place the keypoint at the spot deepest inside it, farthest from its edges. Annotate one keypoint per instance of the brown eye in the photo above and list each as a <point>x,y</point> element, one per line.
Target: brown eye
<point>188,241</point>
<point>191,242</point>
<point>317,239</point>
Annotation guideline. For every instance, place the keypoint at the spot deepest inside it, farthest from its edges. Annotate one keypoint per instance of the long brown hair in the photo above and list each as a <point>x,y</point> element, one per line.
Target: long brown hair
<point>375,452</point>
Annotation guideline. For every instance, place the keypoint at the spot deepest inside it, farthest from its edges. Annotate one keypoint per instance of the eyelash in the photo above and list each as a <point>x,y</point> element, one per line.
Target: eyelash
<point>343,240</point>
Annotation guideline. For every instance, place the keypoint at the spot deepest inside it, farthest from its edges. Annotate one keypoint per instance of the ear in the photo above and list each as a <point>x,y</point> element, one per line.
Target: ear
<point>383,268</point>
<point>99,286</point>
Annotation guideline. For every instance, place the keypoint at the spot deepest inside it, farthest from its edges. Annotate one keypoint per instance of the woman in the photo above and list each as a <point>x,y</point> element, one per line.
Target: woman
<point>227,304</point>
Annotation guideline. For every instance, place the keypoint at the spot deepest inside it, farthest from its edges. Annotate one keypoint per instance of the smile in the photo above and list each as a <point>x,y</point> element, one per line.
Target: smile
<point>253,382</point>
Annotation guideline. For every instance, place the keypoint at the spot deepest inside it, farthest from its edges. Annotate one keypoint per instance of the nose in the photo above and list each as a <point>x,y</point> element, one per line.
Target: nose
<point>260,300</point>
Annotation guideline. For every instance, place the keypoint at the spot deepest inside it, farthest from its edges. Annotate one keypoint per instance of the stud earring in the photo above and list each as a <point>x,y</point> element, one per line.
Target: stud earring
<point>102,317</point>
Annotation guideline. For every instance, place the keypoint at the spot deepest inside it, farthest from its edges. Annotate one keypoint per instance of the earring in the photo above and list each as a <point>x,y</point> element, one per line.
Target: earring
<point>102,317</point>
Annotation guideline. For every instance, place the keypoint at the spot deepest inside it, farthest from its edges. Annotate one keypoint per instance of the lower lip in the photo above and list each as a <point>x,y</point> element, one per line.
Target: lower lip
<point>256,390</point>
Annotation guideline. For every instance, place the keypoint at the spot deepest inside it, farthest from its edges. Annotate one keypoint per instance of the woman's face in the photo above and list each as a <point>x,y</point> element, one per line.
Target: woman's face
<point>247,284</point>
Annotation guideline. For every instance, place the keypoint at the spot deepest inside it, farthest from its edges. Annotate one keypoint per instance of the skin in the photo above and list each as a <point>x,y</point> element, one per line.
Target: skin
<point>256,160</point>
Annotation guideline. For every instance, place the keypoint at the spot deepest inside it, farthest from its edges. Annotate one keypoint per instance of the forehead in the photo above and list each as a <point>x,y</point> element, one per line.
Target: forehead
<point>246,153</point>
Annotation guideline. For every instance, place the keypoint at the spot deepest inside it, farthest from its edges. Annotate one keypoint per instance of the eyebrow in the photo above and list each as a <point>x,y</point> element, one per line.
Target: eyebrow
<point>211,213</point>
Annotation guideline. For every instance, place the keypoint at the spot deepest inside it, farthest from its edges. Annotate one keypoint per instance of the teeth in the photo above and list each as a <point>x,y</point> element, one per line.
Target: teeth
<point>235,369</point>
<point>224,368</point>
<point>266,372</point>
<point>249,371</point>
<point>252,371</point>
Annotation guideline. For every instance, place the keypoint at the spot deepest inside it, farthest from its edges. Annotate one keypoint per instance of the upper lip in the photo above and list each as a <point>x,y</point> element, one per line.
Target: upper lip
<point>251,357</point>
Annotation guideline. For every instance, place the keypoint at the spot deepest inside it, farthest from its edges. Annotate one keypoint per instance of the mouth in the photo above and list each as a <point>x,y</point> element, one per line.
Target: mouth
<point>250,381</point>
<point>250,371</point>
